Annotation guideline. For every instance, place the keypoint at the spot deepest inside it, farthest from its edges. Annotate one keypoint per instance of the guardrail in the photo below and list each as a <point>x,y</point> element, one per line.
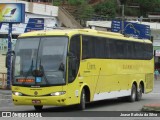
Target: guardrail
<point>3,80</point>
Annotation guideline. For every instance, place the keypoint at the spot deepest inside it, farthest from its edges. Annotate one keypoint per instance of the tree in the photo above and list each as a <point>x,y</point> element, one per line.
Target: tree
<point>107,8</point>
<point>148,6</point>
<point>83,11</point>
<point>76,2</point>
<point>56,2</point>
<point>123,2</point>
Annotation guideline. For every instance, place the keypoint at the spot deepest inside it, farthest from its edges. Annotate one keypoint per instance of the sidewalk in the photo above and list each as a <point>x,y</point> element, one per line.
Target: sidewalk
<point>154,107</point>
<point>5,92</point>
<point>5,97</point>
<point>151,107</point>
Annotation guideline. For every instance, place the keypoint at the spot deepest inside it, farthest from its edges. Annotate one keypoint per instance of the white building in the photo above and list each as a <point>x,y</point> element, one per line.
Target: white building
<point>45,17</point>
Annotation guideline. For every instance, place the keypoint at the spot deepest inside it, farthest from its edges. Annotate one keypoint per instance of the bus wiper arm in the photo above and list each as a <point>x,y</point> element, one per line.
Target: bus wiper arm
<point>44,75</point>
<point>41,69</point>
<point>28,72</point>
<point>40,72</point>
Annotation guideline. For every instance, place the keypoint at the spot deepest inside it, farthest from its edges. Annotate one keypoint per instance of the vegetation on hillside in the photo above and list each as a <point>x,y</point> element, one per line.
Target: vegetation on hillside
<point>110,8</point>
<point>145,7</point>
<point>107,8</point>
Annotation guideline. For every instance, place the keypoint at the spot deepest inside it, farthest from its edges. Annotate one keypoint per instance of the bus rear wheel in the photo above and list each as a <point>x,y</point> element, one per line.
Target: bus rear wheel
<point>139,93</point>
<point>82,104</point>
<point>132,97</point>
<point>38,107</point>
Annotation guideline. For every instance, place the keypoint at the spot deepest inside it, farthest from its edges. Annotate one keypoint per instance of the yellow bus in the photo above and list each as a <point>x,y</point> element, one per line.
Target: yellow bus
<point>77,66</point>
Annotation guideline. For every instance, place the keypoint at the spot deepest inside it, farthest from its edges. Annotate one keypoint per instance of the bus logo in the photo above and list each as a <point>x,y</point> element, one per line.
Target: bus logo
<point>35,93</point>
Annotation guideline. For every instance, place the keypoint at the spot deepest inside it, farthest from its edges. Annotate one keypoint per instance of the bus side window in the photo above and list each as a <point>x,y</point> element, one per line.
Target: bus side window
<point>74,59</point>
<point>130,50</point>
<point>85,44</point>
<point>112,49</point>
<point>148,51</point>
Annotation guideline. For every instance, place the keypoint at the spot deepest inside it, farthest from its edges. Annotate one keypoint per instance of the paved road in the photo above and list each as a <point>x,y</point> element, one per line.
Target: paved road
<point>105,105</point>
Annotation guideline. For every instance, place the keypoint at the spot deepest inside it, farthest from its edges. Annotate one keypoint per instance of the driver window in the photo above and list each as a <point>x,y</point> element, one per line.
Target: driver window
<point>75,60</point>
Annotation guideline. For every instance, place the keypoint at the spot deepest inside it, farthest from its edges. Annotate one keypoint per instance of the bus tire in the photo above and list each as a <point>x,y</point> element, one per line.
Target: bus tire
<point>82,104</point>
<point>132,97</point>
<point>139,93</point>
<point>38,107</point>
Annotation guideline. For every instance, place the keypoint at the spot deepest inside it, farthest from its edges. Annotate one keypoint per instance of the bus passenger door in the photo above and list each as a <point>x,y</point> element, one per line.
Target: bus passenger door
<point>73,58</point>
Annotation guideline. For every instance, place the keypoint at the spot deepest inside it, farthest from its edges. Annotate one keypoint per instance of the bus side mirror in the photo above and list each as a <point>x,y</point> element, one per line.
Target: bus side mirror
<point>9,54</point>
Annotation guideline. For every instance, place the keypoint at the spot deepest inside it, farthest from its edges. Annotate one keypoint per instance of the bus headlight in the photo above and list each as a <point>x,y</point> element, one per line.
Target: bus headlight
<point>17,93</point>
<point>58,93</point>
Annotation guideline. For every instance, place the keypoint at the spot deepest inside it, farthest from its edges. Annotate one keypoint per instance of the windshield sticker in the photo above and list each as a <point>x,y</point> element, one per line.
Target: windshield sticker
<point>38,79</point>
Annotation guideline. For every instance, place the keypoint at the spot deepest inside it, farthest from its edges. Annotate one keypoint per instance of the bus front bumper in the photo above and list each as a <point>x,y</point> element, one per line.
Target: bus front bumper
<point>40,100</point>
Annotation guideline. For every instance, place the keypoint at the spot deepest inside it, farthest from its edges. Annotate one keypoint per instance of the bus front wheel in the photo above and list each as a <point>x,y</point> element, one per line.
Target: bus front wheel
<point>132,97</point>
<point>38,107</point>
<point>82,104</point>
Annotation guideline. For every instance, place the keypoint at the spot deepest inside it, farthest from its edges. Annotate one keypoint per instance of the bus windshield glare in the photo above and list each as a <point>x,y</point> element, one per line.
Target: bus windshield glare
<point>40,61</point>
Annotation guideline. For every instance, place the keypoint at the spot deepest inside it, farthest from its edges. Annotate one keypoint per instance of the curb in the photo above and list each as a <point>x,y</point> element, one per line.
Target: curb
<point>5,98</point>
<point>5,92</point>
<point>151,107</point>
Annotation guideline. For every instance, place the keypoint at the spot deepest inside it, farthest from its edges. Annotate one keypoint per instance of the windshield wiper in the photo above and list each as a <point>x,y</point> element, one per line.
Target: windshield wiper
<point>42,69</point>
<point>44,75</point>
<point>28,72</point>
<point>40,72</point>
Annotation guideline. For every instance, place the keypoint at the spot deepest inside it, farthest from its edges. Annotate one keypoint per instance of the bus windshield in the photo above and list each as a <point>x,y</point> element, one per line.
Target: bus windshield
<point>45,54</point>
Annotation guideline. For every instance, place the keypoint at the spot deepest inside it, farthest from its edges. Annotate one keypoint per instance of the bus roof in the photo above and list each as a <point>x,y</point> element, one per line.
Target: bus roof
<point>92,32</point>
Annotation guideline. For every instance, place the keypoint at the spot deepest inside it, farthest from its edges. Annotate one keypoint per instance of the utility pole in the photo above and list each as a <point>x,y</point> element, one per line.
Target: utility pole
<point>52,2</point>
<point>9,56</point>
<point>122,18</point>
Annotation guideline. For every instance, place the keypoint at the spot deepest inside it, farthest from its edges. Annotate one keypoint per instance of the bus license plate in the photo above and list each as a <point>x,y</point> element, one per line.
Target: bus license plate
<point>36,101</point>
